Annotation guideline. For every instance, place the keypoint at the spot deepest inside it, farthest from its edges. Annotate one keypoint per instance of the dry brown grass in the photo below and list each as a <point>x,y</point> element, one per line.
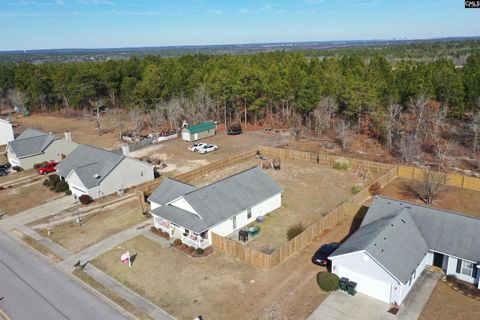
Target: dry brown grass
<point>19,199</point>
<point>96,226</point>
<point>446,304</point>
<point>37,246</point>
<point>111,295</point>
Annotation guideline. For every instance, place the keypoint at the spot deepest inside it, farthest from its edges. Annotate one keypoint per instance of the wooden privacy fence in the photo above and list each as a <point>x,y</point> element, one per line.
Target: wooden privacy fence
<point>451,179</point>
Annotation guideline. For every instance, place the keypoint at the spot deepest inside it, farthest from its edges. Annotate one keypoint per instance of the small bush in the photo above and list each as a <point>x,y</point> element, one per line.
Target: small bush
<point>294,231</point>
<point>8,165</point>
<point>184,246</point>
<point>341,164</point>
<point>356,189</point>
<point>199,251</point>
<point>327,281</point>
<point>375,189</point>
<point>191,249</point>
<point>177,242</point>
<point>85,199</point>
<point>37,165</point>
<point>46,183</point>
<point>17,168</point>
<point>54,178</point>
<point>61,186</point>
<point>68,192</point>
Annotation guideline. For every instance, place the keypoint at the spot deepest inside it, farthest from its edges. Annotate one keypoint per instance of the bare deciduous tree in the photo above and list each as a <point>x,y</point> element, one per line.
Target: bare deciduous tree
<point>17,97</point>
<point>174,112</point>
<point>136,114</point>
<point>344,133</point>
<point>96,105</point>
<point>156,116</point>
<point>474,126</point>
<point>323,114</point>
<point>203,103</point>
<point>408,148</point>
<point>119,118</point>
<point>429,187</point>
<point>391,123</point>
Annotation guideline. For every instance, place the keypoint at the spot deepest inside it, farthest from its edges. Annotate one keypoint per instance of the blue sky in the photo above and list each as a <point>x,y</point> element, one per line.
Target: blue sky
<point>45,24</point>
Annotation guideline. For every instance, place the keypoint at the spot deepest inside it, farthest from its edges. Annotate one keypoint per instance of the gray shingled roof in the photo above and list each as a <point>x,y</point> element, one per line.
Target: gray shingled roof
<point>444,231</point>
<point>169,190</point>
<point>31,142</point>
<point>394,241</point>
<point>88,161</point>
<point>223,199</point>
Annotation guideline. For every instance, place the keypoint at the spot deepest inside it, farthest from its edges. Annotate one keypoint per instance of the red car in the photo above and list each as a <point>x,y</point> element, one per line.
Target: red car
<point>48,168</point>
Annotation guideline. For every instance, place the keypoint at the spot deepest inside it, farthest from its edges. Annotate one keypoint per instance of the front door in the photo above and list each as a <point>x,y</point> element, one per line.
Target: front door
<point>234,220</point>
<point>438,259</point>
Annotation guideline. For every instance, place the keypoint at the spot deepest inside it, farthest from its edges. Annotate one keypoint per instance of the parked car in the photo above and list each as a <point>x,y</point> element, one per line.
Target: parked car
<point>3,171</point>
<point>196,146</point>
<point>207,148</point>
<point>48,168</point>
<point>321,256</point>
<point>234,129</point>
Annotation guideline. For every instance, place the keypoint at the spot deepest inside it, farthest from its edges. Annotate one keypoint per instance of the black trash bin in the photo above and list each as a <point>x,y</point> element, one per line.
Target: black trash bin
<point>343,282</point>
<point>351,288</point>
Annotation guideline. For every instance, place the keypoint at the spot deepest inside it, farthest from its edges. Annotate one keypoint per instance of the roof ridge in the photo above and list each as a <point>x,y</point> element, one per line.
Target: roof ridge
<point>221,180</point>
<point>428,207</point>
<point>182,182</point>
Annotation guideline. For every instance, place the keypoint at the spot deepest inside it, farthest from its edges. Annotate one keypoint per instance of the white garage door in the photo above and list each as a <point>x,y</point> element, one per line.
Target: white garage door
<point>369,286</point>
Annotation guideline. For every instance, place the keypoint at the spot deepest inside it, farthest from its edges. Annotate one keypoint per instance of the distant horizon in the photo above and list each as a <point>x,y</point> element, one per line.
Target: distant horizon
<point>102,24</point>
<point>398,39</point>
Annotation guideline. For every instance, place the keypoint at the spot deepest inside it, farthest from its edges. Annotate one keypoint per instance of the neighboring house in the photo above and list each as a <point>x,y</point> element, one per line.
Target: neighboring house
<point>199,131</point>
<point>192,214</point>
<point>34,146</point>
<point>397,240</point>
<point>6,132</point>
<point>97,172</point>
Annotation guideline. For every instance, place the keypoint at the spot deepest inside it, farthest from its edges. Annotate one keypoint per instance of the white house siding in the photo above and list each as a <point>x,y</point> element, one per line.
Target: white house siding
<point>370,277</point>
<point>226,227</point>
<point>406,287</point>
<point>452,270</point>
<point>12,158</point>
<point>6,132</point>
<point>126,174</point>
<point>76,185</point>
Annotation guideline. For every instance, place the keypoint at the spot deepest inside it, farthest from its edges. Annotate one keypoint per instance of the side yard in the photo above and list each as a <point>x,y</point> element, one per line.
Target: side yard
<point>96,225</point>
<point>218,286</point>
<point>28,196</point>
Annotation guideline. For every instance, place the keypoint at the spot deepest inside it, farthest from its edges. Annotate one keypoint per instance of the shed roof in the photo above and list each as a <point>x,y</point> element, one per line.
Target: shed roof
<point>205,126</point>
<point>223,199</point>
<point>31,142</point>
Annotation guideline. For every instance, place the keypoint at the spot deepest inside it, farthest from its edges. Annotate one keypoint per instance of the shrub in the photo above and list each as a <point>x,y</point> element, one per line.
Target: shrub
<point>341,164</point>
<point>327,281</point>
<point>8,165</point>
<point>356,189</point>
<point>184,246</point>
<point>61,186</point>
<point>177,242</point>
<point>68,192</point>
<point>375,189</point>
<point>54,178</point>
<point>37,165</point>
<point>46,183</point>
<point>191,249</point>
<point>294,231</point>
<point>199,251</point>
<point>17,168</point>
<point>85,199</point>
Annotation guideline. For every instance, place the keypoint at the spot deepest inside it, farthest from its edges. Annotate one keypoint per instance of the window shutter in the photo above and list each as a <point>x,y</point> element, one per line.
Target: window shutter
<point>459,265</point>
<point>474,274</point>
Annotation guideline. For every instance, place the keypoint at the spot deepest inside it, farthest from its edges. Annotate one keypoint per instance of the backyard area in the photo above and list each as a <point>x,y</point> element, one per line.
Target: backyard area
<point>450,198</point>
<point>18,199</point>
<point>301,203</point>
<point>219,286</point>
<point>97,224</point>
<point>446,304</point>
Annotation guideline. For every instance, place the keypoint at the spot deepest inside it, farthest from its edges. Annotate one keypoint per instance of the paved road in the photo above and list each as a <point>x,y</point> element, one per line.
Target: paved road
<point>33,289</point>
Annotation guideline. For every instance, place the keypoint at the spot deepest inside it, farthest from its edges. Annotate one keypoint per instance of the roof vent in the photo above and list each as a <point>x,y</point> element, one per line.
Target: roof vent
<point>96,176</point>
<point>408,207</point>
<point>392,224</point>
<point>385,238</point>
<point>402,220</point>
<point>381,250</point>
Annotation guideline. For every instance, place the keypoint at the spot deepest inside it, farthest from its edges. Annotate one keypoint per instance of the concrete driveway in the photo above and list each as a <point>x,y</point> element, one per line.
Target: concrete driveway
<point>340,306</point>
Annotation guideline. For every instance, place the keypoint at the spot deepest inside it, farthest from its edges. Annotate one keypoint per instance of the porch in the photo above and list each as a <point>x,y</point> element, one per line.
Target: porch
<point>195,240</point>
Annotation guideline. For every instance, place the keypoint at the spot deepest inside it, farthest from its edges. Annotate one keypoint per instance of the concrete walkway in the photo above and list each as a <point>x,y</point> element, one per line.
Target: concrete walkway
<point>418,296</point>
<point>106,244</point>
<point>129,295</point>
<point>341,306</point>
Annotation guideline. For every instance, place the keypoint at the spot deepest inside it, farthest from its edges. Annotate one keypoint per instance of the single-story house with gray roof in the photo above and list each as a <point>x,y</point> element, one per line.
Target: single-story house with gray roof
<point>192,214</point>
<point>98,172</point>
<point>33,146</point>
<point>398,239</point>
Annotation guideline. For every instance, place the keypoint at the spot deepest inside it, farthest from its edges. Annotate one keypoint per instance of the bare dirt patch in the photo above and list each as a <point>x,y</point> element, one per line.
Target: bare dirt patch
<point>28,196</point>
<point>96,226</point>
<point>218,286</point>
<point>310,191</point>
<point>451,198</point>
<point>445,304</point>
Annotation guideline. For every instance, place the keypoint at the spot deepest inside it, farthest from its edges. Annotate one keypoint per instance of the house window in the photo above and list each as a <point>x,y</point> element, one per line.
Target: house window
<point>141,174</point>
<point>467,268</point>
<point>249,213</point>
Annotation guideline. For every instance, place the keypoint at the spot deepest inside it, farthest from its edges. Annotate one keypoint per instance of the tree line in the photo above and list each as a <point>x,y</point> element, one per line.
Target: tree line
<point>289,88</point>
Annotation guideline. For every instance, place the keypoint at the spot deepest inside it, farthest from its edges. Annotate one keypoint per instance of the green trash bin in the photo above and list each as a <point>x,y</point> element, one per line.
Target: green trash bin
<point>351,288</point>
<point>343,282</point>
